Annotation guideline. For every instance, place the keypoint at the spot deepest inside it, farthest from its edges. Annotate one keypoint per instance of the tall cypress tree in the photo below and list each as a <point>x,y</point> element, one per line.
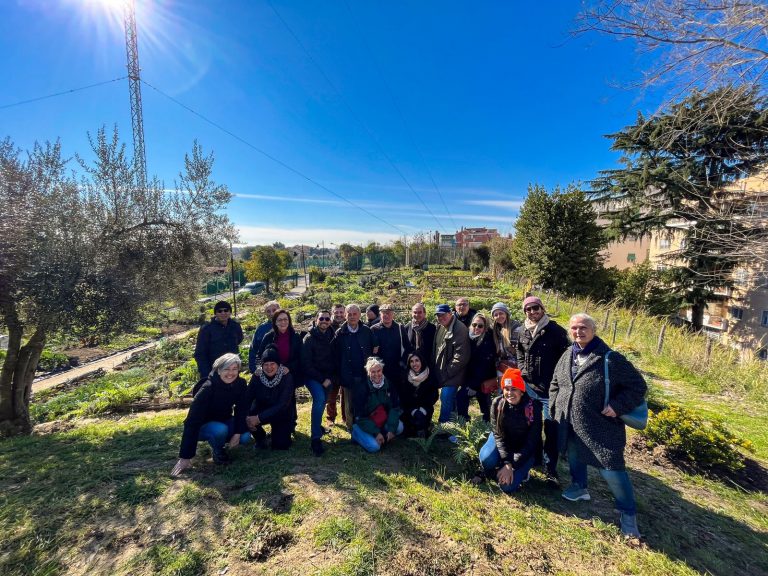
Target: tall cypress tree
<point>677,166</point>
<point>557,240</point>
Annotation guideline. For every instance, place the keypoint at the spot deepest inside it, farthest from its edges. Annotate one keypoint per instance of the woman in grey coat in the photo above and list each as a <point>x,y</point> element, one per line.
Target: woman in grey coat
<point>591,432</point>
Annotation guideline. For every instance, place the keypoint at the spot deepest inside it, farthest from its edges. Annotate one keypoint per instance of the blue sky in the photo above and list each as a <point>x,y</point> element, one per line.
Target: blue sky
<point>388,104</point>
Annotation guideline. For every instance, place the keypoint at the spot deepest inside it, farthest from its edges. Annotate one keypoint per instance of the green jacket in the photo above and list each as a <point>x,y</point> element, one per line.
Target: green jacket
<point>373,398</point>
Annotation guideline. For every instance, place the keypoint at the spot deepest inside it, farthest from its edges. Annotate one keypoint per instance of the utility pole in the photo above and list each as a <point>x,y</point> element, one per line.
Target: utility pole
<point>232,276</point>
<point>304,264</point>
<point>134,87</point>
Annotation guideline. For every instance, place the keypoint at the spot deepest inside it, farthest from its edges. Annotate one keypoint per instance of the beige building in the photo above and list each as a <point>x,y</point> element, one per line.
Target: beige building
<point>737,315</point>
<point>626,254</point>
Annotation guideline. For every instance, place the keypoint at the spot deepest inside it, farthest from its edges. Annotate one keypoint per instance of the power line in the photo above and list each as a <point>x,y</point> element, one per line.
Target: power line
<point>81,88</point>
<point>400,114</point>
<point>269,156</point>
<point>354,115</point>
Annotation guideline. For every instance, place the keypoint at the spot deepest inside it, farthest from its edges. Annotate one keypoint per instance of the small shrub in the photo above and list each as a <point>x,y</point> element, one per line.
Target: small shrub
<point>470,437</point>
<point>688,435</point>
<point>50,361</point>
<point>184,378</point>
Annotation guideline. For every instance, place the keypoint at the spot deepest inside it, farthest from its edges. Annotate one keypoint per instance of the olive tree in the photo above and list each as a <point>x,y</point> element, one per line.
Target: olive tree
<point>84,252</point>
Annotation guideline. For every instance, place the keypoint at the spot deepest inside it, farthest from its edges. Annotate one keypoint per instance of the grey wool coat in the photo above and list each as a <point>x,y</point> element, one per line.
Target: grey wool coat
<point>576,404</point>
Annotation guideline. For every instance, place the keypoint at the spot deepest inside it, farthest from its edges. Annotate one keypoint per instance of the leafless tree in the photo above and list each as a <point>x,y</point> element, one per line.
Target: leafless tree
<point>699,43</point>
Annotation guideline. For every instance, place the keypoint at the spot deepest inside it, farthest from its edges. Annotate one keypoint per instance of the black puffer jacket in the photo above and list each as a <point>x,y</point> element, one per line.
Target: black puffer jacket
<point>537,356</point>
<point>317,355</point>
<point>271,404</point>
<point>215,339</point>
<point>577,402</point>
<point>294,354</point>
<point>516,429</point>
<point>214,402</point>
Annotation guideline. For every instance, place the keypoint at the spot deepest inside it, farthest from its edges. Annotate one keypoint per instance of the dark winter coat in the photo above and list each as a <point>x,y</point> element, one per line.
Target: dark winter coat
<point>451,354</point>
<point>214,402</point>
<point>576,404</point>
<point>424,395</point>
<point>516,429</point>
<point>537,356</point>
<point>294,354</point>
<point>482,362</point>
<point>253,350</point>
<point>317,355</point>
<point>368,401</point>
<point>271,404</point>
<point>427,343</point>
<point>351,351</point>
<point>393,349</point>
<point>467,318</point>
<point>215,339</point>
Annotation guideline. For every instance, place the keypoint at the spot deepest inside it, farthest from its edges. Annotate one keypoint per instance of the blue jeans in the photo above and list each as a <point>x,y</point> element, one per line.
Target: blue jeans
<point>368,441</point>
<point>490,459</point>
<point>618,481</point>
<point>319,395</point>
<point>218,433</point>
<point>447,403</point>
<point>463,399</point>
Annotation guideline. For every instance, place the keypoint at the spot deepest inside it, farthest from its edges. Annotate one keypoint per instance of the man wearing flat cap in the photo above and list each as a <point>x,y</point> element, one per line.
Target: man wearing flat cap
<point>451,355</point>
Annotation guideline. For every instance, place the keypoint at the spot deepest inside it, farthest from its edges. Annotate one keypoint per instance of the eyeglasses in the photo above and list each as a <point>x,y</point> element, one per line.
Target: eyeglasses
<point>222,310</point>
<point>534,308</point>
<point>324,319</point>
<point>475,325</point>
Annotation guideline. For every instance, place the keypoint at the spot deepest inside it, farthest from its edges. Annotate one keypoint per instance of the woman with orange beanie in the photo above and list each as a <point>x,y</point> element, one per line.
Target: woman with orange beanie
<point>510,452</point>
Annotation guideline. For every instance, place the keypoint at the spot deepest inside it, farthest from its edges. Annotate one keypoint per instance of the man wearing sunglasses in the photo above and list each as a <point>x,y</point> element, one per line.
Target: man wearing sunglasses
<point>319,362</point>
<point>219,336</point>
<point>540,346</point>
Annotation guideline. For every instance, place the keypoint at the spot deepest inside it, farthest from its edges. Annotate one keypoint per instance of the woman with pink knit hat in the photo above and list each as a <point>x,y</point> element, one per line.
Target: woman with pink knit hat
<point>509,453</point>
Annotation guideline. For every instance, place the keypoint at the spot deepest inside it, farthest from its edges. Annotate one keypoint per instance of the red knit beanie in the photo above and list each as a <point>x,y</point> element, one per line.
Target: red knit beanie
<point>513,376</point>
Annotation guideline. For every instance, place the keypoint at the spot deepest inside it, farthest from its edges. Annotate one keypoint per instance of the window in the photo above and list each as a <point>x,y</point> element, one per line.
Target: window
<point>737,313</point>
<point>764,319</point>
<point>740,276</point>
<point>664,243</point>
<point>631,257</point>
<point>763,354</point>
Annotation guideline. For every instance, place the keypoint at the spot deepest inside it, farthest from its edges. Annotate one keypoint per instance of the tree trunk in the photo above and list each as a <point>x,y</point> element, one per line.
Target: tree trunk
<point>16,380</point>
<point>697,315</point>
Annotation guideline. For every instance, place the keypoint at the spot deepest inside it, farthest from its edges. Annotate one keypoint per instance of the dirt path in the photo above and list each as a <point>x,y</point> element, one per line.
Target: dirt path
<point>107,364</point>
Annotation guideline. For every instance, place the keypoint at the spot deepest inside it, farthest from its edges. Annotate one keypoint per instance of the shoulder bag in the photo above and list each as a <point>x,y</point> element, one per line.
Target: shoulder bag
<point>637,418</point>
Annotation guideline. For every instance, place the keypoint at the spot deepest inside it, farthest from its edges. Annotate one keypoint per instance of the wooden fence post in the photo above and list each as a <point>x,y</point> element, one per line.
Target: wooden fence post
<point>573,304</point>
<point>605,319</point>
<point>557,303</point>
<point>613,336</point>
<point>660,345</point>
<point>708,353</point>
<point>631,326</point>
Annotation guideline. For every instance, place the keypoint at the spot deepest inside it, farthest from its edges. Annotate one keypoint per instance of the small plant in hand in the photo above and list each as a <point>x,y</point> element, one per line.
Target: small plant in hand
<point>686,434</point>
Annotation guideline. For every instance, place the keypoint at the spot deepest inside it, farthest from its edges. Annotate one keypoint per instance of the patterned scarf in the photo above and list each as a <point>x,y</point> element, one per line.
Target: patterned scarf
<point>274,381</point>
<point>535,327</point>
<point>417,379</point>
<point>417,328</point>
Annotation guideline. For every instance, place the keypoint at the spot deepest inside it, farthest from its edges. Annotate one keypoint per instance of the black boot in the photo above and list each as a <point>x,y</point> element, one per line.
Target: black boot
<point>317,448</point>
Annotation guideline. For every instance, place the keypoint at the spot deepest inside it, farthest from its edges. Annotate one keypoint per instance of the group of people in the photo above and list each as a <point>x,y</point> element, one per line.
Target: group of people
<point>389,376</point>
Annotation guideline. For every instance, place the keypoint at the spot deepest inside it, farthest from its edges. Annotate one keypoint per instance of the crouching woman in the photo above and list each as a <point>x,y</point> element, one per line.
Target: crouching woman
<point>270,395</point>
<point>509,453</point>
<point>376,420</point>
<point>210,417</point>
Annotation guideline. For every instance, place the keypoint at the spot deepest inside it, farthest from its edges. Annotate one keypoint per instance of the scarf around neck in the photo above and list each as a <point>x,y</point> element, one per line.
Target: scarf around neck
<point>535,327</point>
<point>417,379</point>
<point>274,381</point>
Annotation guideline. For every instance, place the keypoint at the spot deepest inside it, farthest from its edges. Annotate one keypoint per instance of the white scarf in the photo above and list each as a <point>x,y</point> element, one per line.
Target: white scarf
<point>417,379</point>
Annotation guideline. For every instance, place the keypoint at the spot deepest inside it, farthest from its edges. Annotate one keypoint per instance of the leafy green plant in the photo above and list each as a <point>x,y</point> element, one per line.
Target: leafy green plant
<point>688,435</point>
<point>470,437</point>
<point>50,360</point>
<point>184,378</point>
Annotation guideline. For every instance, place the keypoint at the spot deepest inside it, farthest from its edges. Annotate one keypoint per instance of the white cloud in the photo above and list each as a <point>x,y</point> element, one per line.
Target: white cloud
<point>289,236</point>
<point>506,204</point>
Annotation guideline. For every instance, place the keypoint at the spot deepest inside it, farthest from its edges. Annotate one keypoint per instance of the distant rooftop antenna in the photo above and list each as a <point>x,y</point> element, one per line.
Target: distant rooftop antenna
<point>134,87</point>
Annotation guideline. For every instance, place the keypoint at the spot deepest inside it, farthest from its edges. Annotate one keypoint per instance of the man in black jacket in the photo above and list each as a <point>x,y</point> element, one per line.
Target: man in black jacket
<point>219,336</point>
<point>463,312</point>
<point>541,344</point>
<point>421,333</point>
<point>393,349</point>
<point>353,344</point>
<point>319,367</point>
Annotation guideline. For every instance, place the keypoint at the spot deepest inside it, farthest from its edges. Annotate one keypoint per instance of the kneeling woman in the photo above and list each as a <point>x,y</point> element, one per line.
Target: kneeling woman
<point>510,451</point>
<point>210,416</point>
<point>418,396</point>
<point>271,402</point>
<point>376,421</point>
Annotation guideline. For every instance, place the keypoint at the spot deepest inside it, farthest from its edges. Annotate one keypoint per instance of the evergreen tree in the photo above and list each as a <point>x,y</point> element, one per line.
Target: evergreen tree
<point>678,166</point>
<point>557,240</point>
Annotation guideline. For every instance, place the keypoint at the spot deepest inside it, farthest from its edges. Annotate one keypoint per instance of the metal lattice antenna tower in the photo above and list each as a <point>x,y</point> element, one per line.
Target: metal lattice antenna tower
<point>134,87</point>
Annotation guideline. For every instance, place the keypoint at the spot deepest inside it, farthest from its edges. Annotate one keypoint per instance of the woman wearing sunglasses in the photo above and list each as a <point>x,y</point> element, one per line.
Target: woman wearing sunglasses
<point>480,377</point>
